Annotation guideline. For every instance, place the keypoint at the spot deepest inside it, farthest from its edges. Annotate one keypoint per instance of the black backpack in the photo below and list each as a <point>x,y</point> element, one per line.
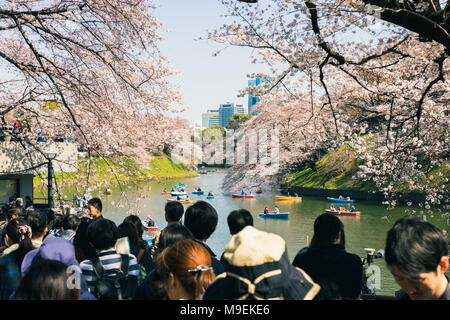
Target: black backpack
<point>117,286</point>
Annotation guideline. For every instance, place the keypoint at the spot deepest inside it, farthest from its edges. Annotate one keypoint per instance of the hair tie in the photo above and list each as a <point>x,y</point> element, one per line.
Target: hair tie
<point>200,268</point>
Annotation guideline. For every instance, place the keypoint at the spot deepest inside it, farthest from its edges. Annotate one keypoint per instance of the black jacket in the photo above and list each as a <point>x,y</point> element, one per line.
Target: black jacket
<point>338,272</point>
<point>215,263</point>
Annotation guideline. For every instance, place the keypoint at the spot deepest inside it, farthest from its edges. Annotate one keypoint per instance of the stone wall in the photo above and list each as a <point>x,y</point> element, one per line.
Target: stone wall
<point>353,194</point>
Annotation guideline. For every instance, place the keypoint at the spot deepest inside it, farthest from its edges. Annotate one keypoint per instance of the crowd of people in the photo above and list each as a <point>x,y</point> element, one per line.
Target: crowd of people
<point>22,131</point>
<point>47,256</point>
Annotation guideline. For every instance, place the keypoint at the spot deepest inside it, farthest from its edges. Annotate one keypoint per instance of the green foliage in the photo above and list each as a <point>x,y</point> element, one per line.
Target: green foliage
<point>237,120</point>
<point>51,105</point>
<point>210,133</point>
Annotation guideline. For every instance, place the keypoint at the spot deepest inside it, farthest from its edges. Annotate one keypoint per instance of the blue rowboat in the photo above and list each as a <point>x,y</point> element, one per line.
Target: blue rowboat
<point>175,194</point>
<point>337,200</point>
<point>198,192</point>
<point>283,215</point>
<point>210,197</point>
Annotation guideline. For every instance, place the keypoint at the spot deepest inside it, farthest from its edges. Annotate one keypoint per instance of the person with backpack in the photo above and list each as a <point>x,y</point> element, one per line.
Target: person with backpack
<point>109,275</point>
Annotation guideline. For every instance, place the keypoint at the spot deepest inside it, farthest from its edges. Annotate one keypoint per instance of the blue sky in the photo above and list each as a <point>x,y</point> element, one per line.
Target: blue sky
<point>204,81</point>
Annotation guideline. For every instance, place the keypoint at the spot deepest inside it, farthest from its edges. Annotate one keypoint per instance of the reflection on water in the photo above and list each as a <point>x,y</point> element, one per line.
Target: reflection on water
<point>366,231</point>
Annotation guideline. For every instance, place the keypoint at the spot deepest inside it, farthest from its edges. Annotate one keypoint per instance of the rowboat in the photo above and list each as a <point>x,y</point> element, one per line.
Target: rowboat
<point>282,198</point>
<point>243,196</point>
<point>148,239</point>
<point>198,192</point>
<point>210,197</point>
<point>151,228</point>
<point>181,201</point>
<point>281,215</point>
<point>343,212</point>
<point>166,193</point>
<point>108,191</point>
<point>340,200</point>
<point>176,194</point>
<point>259,191</point>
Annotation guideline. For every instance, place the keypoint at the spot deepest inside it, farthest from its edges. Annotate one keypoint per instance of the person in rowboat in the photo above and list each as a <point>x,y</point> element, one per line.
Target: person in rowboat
<point>276,210</point>
<point>210,194</point>
<point>242,193</point>
<point>332,207</point>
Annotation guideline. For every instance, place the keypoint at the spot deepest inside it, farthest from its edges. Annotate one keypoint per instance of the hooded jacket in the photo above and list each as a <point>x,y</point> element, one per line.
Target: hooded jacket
<point>59,249</point>
<point>257,267</point>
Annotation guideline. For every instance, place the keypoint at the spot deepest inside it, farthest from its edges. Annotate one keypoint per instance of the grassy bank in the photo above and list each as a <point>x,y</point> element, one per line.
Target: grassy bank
<point>110,172</point>
<point>336,171</point>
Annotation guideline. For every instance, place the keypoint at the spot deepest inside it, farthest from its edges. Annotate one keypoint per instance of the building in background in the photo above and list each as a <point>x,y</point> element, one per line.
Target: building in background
<point>240,109</point>
<point>226,111</point>
<point>221,117</point>
<point>252,99</point>
<point>210,119</point>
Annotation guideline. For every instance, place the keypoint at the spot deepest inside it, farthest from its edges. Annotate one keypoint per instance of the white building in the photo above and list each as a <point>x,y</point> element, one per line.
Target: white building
<point>210,119</point>
<point>239,108</point>
<point>19,165</point>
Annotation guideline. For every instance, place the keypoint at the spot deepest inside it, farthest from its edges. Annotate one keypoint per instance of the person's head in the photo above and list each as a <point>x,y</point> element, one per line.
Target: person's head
<point>328,229</point>
<point>51,216</point>
<point>95,207</point>
<point>137,223</point>
<point>127,229</point>
<point>19,202</point>
<point>70,222</point>
<point>37,220</point>
<point>201,219</point>
<point>238,220</point>
<point>18,232</point>
<point>13,213</point>
<point>83,248</point>
<point>174,211</point>
<point>46,280</point>
<point>28,199</point>
<point>416,253</point>
<point>57,222</point>
<point>172,234</point>
<point>185,268</point>
<point>103,234</point>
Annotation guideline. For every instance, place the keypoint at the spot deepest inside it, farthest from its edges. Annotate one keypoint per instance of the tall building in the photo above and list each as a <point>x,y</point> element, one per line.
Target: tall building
<point>239,109</point>
<point>226,111</point>
<point>252,99</point>
<point>210,119</point>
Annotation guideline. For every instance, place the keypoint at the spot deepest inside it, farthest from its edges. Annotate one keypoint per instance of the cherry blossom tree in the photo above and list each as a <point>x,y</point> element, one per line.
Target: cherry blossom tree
<point>99,64</point>
<point>373,74</point>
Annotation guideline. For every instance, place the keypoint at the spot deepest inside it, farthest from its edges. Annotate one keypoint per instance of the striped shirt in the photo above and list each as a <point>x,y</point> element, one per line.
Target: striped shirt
<point>110,261</point>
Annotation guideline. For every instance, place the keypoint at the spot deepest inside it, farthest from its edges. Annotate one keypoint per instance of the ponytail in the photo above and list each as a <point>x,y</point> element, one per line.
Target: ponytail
<point>19,232</point>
